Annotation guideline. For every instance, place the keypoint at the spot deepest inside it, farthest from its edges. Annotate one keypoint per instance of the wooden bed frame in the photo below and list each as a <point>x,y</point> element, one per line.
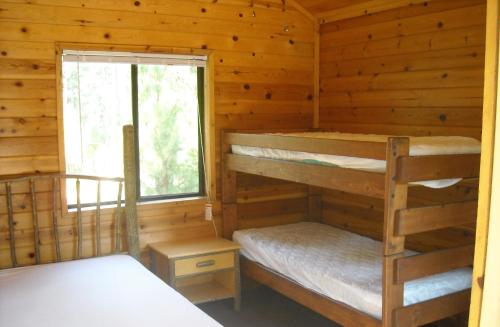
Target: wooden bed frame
<point>399,220</point>
<point>58,182</point>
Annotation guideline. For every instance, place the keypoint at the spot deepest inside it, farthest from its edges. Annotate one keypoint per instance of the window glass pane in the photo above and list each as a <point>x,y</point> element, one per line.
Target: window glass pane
<point>97,103</point>
<point>168,130</point>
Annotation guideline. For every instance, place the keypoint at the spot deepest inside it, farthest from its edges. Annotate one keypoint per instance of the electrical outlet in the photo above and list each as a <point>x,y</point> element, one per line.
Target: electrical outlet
<point>208,212</point>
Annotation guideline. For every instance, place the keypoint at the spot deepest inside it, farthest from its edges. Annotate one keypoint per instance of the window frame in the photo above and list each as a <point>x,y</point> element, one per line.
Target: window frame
<point>206,112</point>
<point>200,72</point>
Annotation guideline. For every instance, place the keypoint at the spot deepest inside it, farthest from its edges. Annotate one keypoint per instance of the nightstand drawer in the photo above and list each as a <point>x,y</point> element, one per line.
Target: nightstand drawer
<point>204,263</point>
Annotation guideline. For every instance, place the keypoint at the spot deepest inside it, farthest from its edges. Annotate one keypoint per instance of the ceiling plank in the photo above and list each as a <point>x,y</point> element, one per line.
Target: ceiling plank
<point>328,11</point>
<point>303,10</point>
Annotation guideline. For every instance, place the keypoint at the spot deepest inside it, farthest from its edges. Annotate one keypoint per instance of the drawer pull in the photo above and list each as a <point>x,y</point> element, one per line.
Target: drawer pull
<point>206,263</point>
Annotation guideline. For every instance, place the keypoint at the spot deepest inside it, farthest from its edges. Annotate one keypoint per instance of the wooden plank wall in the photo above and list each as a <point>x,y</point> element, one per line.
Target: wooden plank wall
<point>263,72</point>
<point>415,70</point>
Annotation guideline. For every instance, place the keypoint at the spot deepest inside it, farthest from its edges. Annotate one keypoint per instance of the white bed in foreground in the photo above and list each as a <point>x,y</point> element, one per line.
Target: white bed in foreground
<point>343,266</point>
<point>107,291</point>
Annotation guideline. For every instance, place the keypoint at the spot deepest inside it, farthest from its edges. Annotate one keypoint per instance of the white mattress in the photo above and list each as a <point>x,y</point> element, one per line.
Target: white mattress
<point>341,265</point>
<point>419,146</point>
<point>106,291</point>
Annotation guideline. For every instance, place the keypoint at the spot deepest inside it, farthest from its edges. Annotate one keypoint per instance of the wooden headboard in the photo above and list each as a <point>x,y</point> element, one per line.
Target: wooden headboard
<point>39,189</point>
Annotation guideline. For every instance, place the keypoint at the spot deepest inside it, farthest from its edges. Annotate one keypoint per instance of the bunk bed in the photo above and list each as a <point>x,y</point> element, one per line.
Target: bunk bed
<point>339,161</point>
<point>104,288</point>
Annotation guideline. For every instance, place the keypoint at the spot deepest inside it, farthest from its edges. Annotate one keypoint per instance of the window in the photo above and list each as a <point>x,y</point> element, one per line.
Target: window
<point>162,95</point>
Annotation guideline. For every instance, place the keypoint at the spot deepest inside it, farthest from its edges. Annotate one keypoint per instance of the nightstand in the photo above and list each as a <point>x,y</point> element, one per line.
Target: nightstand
<point>202,270</point>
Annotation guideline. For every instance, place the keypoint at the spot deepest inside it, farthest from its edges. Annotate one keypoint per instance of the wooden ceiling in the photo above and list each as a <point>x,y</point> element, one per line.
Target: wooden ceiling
<point>332,10</point>
<point>317,7</point>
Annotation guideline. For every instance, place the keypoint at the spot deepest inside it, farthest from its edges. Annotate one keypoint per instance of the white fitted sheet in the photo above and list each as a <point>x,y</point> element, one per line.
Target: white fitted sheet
<point>343,266</point>
<point>419,146</point>
<point>107,291</point>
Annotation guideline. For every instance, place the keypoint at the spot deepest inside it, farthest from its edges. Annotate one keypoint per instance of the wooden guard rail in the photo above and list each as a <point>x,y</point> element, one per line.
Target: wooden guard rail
<point>428,311</point>
<point>362,149</point>
<point>422,168</point>
<point>427,264</point>
<point>417,220</point>
<point>56,181</point>
<point>349,180</point>
<point>401,221</point>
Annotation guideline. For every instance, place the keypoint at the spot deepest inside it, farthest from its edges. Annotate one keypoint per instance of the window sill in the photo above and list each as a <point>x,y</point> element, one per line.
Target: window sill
<point>193,200</point>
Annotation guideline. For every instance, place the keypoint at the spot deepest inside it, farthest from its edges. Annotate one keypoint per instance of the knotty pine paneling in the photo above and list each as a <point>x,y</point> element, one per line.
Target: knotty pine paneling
<point>263,78</point>
<point>415,70</point>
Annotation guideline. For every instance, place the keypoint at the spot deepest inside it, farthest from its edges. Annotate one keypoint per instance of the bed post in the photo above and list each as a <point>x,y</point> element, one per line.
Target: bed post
<point>314,204</point>
<point>396,196</point>
<point>130,173</point>
<point>229,190</point>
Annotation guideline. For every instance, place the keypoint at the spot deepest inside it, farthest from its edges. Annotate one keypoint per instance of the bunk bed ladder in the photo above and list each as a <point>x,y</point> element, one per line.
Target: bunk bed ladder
<point>401,221</point>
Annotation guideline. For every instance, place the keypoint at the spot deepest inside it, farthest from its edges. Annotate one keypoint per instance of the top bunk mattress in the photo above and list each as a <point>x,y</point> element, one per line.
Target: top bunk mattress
<point>419,146</point>
<point>107,291</point>
<point>343,266</point>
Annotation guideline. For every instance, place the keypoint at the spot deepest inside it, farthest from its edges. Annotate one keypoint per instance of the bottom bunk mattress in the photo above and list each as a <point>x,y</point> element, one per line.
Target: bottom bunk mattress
<point>343,266</point>
<point>106,291</point>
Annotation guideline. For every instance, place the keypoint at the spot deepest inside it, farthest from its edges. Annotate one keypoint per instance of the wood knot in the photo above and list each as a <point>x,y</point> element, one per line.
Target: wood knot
<point>4,53</point>
<point>107,35</point>
<point>310,97</point>
<point>36,67</point>
<point>443,118</point>
<point>204,46</point>
<point>480,282</point>
<point>24,29</point>
<point>269,96</point>
<point>246,86</point>
<point>203,10</point>
<point>440,25</point>
<point>235,38</point>
<point>137,3</point>
<point>19,84</point>
<point>292,42</point>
